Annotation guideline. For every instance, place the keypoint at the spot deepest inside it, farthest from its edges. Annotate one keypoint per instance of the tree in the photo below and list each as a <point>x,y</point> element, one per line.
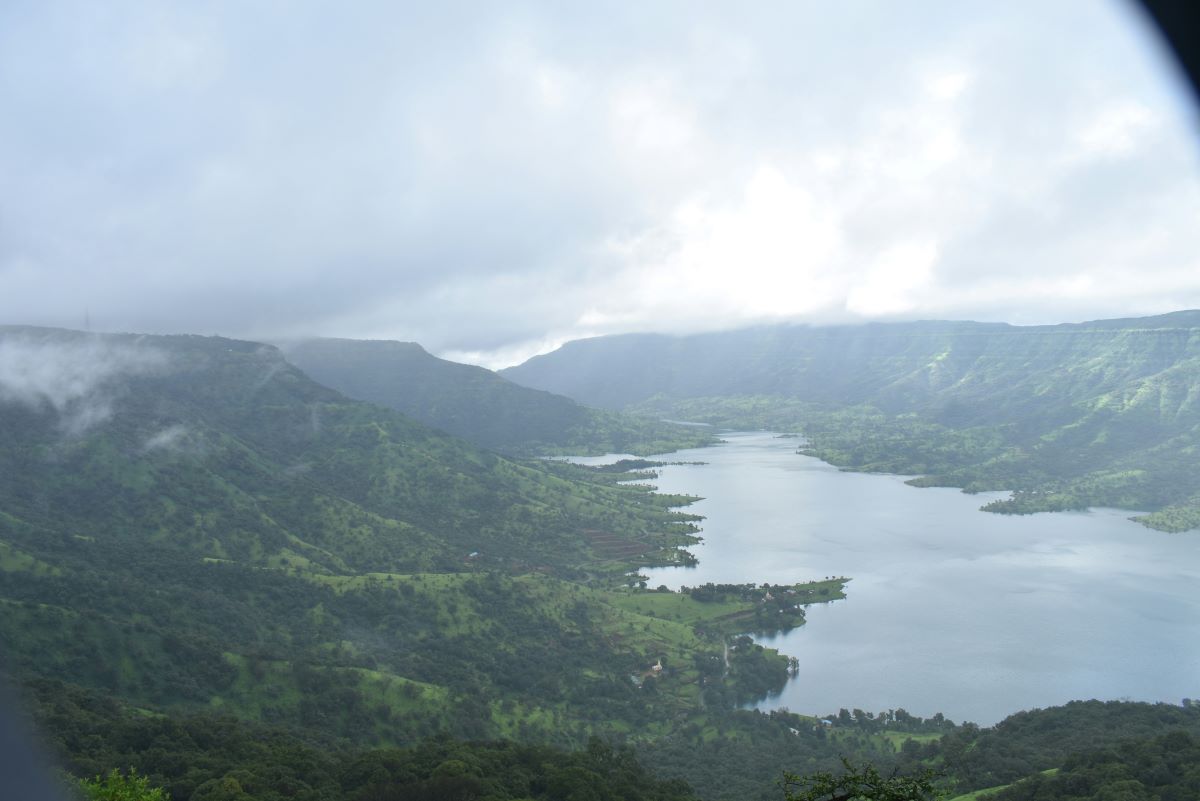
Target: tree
<point>862,783</point>
<point>116,787</point>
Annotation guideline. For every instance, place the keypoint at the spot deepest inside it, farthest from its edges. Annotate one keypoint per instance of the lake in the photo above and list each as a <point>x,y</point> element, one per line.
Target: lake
<point>950,609</point>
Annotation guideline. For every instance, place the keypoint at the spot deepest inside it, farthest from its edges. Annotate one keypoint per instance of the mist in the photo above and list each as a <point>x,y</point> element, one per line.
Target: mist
<point>74,378</point>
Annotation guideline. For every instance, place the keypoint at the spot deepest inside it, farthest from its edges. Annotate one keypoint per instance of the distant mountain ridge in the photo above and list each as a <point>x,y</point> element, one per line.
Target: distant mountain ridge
<point>477,404</point>
<point>1098,413</point>
<point>892,362</point>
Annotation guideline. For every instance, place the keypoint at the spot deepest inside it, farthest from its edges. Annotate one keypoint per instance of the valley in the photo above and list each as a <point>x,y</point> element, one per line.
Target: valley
<point>197,536</point>
<point>618,401</point>
<point>1072,416</point>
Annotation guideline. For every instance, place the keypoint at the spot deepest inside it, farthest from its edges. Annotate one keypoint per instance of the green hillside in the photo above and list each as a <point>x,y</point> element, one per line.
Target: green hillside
<point>1068,416</point>
<point>479,405</point>
<point>224,449</point>
<point>210,757</point>
<point>246,585</point>
<point>1083,751</point>
<point>1098,752</point>
<point>1165,767</point>
<point>193,525</point>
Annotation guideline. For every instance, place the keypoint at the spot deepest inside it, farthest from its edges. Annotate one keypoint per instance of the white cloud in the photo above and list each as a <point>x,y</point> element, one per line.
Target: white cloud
<point>895,282</point>
<point>71,377</point>
<point>771,252</point>
<point>1115,130</point>
<point>170,438</point>
<point>949,86</point>
<point>646,119</point>
<point>489,180</point>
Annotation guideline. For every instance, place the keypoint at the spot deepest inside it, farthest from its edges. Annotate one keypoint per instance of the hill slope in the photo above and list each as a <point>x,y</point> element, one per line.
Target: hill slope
<point>1084,750</point>
<point>225,449</point>
<point>1103,413</point>
<point>193,523</point>
<point>479,405</point>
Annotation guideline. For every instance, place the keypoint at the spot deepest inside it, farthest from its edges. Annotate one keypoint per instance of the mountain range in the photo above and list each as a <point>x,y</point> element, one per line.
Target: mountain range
<point>478,404</point>
<point>327,572</point>
<point>1104,413</point>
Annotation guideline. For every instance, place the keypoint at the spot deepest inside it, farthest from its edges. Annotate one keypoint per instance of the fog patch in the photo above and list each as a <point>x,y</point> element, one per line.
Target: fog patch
<point>73,378</point>
<point>171,438</point>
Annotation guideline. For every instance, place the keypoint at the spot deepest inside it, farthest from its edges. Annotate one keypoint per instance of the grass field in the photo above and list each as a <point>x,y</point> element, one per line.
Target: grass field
<point>897,738</point>
<point>727,616</point>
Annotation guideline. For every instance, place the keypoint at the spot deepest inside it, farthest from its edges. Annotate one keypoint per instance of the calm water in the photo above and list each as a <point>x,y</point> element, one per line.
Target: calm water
<point>950,609</point>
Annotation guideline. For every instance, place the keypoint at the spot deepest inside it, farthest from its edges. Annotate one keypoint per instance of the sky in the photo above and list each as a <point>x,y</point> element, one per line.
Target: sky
<point>493,179</point>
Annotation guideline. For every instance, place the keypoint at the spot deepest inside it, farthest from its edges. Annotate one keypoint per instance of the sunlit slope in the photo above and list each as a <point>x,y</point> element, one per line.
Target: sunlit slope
<point>477,404</point>
<point>224,449</point>
<point>1073,415</point>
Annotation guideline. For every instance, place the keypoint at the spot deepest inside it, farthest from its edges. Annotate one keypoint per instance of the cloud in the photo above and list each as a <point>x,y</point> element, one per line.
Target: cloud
<point>948,86</point>
<point>895,281</point>
<point>487,179</point>
<point>1115,130</point>
<point>72,377</point>
<point>769,252</point>
<point>172,438</point>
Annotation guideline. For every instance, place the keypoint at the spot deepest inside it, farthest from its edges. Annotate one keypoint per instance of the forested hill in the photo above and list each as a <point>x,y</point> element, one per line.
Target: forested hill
<point>1100,413</point>
<point>1084,751</point>
<point>192,523</point>
<point>224,448</point>
<point>479,405</point>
